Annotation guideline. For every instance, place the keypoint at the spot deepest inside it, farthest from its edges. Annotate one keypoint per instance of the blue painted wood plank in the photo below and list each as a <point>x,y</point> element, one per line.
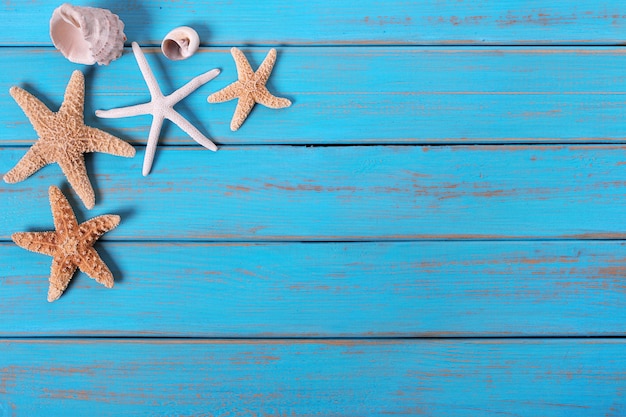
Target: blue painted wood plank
<point>326,290</point>
<point>313,378</point>
<point>280,22</point>
<point>357,95</point>
<point>342,193</point>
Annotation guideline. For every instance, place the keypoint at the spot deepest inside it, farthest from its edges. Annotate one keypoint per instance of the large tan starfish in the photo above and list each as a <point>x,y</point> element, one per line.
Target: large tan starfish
<point>71,245</point>
<point>250,88</point>
<point>64,138</point>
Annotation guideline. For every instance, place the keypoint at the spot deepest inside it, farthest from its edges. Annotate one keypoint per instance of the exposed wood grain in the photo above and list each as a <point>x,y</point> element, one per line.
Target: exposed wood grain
<point>326,290</point>
<point>313,378</point>
<point>279,22</point>
<point>357,95</point>
<point>343,193</point>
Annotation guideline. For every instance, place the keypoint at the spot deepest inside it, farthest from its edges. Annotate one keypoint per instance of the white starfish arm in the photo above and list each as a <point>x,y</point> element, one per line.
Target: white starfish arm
<point>153,140</point>
<point>148,76</point>
<point>191,130</point>
<point>128,111</point>
<point>191,86</point>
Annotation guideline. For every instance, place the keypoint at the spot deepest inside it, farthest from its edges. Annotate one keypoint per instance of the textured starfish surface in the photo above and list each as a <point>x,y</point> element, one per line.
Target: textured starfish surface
<point>162,107</point>
<point>70,245</point>
<point>249,88</point>
<point>64,138</point>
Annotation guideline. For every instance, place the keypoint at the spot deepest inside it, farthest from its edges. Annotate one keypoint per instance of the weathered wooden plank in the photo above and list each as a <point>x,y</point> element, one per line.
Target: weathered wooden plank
<point>343,193</point>
<point>280,22</point>
<point>358,95</point>
<point>326,290</point>
<point>313,378</point>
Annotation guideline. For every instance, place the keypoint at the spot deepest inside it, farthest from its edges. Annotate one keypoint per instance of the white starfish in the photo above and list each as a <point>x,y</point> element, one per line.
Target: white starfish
<point>162,107</point>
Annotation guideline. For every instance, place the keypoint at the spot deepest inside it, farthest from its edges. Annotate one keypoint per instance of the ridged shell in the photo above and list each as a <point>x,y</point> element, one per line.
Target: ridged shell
<point>87,35</point>
<point>180,43</point>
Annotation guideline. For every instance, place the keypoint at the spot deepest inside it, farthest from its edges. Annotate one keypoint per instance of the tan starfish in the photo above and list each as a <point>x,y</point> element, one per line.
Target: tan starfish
<point>64,138</point>
<point>71,245</point>
<point>250,88</point>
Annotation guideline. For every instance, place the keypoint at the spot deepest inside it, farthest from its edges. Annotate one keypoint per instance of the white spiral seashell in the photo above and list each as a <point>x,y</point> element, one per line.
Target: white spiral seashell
<point>180,43</point>
<point>86,35</point>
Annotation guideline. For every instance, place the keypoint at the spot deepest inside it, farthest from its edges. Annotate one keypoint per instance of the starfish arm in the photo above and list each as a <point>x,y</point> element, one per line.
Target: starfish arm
<point>227,93</point>
<point>32,161</point>
<point>265,70</point>
<point>40,242</point>
<point>244,70</point>
<point>92,229</point>
<point>64,219</point>
<point>244,106</point>
<point>76,172</point>
<point>148,76</point>
<point>92,265</point>
<point>100,141</point>
<point>61,273</point>
<point>74,99</point>
<point>39,115</point>
<point>264,97</point>
<point>191,86</point>
<point>190,129</point>
<point>153,140</point>
<point>128,111</point>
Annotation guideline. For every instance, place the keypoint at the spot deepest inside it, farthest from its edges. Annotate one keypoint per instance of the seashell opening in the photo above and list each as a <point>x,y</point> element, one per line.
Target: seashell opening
<point>67,32</point>
<point>180,43</point>
<point>86,35</point>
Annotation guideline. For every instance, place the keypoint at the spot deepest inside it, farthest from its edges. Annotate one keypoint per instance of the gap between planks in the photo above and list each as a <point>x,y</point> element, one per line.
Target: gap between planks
<point>297,339</point>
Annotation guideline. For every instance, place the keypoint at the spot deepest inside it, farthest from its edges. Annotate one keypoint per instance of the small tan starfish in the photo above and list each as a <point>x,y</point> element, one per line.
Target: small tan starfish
<point>64,138</point>
<point>250,88</point>
<point>71,245</point>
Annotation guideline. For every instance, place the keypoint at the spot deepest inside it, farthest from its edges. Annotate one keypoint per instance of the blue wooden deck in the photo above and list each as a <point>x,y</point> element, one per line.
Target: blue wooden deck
<point>435,227</point>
